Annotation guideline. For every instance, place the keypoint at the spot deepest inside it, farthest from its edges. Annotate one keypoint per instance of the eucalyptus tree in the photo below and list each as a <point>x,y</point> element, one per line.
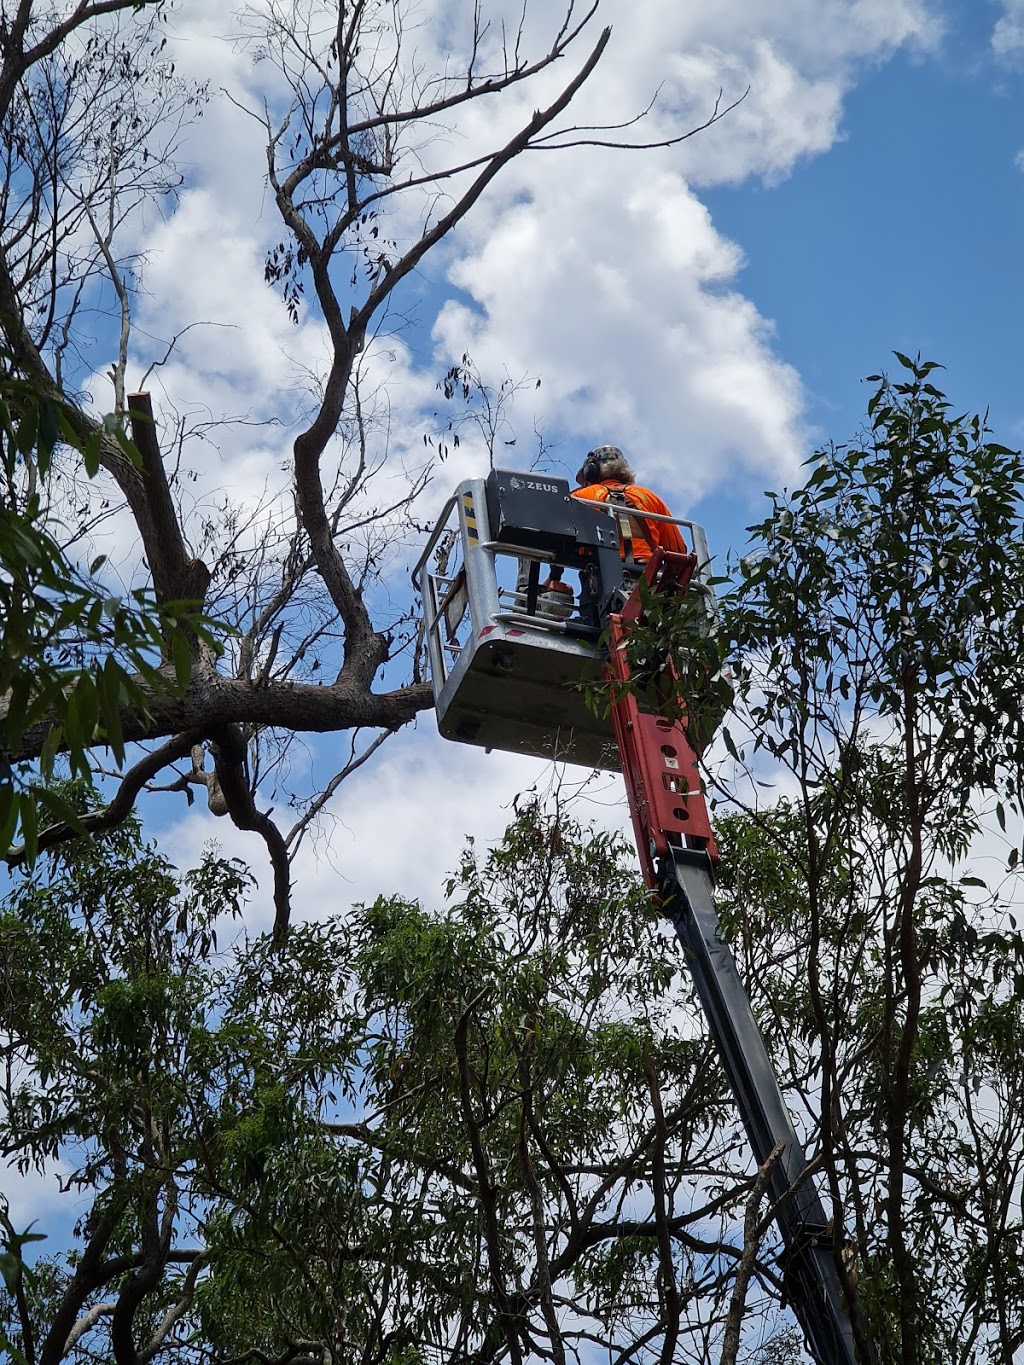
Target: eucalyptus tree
<point>492,1132</point>
<point>365,175</point>
<point>874,629</point>
<point>499,1130</point>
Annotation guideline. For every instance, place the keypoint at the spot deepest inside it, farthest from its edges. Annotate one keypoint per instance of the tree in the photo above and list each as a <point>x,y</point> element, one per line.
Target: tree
<point>106,968</point>
<point>487,1133</point>
<point>92,111</point>
<point>498,1130</point>
<point>874,629</point>
<point>74,659</point>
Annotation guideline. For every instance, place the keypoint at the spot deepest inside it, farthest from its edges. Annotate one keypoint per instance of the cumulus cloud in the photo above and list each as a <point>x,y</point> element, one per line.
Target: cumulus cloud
<point>620,294</point>
<point>600,271</point>
<point>603,272</point>
<point>1008,33</point>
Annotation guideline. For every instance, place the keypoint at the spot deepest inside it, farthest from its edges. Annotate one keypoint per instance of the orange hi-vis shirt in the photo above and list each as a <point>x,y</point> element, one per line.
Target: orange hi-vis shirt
<point>647,536</point>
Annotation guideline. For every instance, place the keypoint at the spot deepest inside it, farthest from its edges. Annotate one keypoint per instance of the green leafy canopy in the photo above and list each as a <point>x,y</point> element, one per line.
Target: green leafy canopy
<point>75,658</point>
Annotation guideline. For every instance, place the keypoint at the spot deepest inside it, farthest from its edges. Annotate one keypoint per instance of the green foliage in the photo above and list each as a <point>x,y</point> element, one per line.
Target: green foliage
<point>959,1118</point>
<point>678,662</point>
<point>423,1136</point>
<point>362,1139</point>
<point>75,659</point>
<point>891,580</point>
<point>873,631</point>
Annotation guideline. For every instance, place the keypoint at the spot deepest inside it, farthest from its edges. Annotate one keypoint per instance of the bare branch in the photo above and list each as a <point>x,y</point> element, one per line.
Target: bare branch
<point>86,1322</point>
<point>752,1232</point>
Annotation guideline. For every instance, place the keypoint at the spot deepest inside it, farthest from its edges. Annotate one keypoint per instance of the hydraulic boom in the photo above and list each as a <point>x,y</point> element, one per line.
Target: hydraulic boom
<point>677,853</point>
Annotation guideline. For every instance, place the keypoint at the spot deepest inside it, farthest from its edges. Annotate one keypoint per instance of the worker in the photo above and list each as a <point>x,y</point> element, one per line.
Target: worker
<point>607,476</point>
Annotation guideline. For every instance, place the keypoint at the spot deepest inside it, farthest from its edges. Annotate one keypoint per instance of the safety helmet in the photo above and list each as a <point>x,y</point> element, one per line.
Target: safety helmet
<point>604,462</point>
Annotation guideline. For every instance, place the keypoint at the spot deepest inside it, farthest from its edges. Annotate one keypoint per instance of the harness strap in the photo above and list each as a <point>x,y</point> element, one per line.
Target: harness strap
<point>629,527</point>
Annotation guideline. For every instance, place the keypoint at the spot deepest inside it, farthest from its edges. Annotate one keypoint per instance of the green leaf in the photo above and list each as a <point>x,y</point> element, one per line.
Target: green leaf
<point>182,655</point>
<point>49,433</point>
<point>29,826</point>
<point>50,749</point>
<point>90,450</point>
<point>108,691</point>
<point>59,807</point>
<point>28,428</point>
<point>10,1269</point>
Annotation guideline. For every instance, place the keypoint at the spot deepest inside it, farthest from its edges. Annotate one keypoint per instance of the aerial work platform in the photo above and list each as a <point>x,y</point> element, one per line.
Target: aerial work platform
<point>486,619</point>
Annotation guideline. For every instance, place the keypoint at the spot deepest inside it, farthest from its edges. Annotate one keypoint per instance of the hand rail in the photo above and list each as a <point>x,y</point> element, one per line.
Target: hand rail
<point>439,528</point>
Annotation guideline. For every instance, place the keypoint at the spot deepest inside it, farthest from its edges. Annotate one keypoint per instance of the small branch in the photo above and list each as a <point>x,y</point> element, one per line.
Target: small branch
<point>547,143</point>
<point>496,163</point>
<point>752,1231</point>
<point>87,1322</point>
<point>670,1289</point>
<point>297,832</point>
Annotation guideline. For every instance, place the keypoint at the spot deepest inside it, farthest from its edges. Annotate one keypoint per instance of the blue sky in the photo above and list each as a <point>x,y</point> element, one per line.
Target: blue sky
<point>905,234</point>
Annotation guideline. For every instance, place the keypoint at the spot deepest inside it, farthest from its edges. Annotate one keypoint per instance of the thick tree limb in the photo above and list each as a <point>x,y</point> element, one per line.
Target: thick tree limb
<point>95,822</point>
<point>669,1287</point>
<point>86,1279</point>
<point>156,1241</point>
<point>507,1316</point>
<point>229,751</point>
<point>176,575</point>
<point>174,1313</point>
<point>542,1277</point>
<point>212,700</point>
<point>87,1322</point>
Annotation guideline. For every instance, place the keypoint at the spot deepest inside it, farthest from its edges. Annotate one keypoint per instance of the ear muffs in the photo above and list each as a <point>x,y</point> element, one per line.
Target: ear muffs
<point>591,470</point>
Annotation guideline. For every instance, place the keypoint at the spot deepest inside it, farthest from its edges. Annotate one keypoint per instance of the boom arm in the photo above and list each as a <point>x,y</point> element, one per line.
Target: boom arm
<point>677,853</point>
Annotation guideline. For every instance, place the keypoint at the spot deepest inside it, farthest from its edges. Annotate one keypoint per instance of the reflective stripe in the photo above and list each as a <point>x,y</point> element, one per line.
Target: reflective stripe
<point>470,515</point>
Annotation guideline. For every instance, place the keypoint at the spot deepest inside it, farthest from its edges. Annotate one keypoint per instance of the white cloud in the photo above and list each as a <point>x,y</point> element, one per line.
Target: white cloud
<point>600,271</point>
<point>402,824</point>
<point>1008,33</point>
<point>597,270</point>
<point>619,295</point>
<point>37,1196</point>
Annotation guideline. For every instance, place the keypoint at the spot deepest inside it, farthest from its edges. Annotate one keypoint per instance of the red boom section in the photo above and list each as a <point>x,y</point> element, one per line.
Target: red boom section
<point>663,783</point>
